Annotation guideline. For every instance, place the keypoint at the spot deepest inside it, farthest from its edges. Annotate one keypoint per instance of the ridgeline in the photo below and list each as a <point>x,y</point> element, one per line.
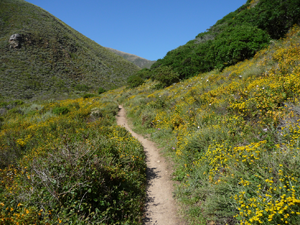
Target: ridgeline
<point>139,61</point>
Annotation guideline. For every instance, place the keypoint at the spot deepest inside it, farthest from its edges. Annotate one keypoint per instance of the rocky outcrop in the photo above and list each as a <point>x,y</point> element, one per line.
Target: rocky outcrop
<point>15,41</point>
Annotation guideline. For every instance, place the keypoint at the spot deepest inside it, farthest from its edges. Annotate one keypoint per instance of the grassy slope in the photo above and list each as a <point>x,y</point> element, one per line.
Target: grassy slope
<point>53,57</point>
<point>140,62</point>
<point>234,136</point>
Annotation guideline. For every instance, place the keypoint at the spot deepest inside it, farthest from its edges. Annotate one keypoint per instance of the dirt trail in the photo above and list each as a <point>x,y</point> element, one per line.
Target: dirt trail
<point>160,206</point>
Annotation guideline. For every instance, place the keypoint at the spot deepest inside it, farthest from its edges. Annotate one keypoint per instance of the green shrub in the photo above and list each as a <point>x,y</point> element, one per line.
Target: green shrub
<point>144,73</point>
<point>236,44</point>
<point>82,87</point>
<point>1,121</point>
<point>60,110</point>
<point>88,95</point>
<point>135,81</point>
<point>166,76</point>
<point>18,102</point>
<point>3,104</point>
<point>101,90</point>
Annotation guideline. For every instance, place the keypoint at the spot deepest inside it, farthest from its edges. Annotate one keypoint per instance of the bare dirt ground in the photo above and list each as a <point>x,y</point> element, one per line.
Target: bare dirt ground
<point>161,208</point>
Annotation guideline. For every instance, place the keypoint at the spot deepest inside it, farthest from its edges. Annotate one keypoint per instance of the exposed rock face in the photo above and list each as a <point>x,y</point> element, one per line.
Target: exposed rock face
<point>15,41</point>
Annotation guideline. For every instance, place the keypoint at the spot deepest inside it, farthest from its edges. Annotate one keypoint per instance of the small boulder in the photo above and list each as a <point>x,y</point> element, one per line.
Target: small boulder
<point>95,112</point>
<point>3,111</point>
<point>15,41</point>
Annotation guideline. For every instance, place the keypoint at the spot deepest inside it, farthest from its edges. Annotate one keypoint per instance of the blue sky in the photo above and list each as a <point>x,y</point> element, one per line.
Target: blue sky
<point>145,28</point>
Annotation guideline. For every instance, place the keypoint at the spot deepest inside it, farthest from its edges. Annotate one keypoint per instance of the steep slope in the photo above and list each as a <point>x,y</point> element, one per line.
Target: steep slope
<point>236,37</point>
<point>234,136</point>
<point>47,56</point>
<point>139,61</point>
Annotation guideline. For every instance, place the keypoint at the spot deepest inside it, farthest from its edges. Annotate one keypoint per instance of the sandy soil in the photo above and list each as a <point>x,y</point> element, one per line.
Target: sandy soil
<point>161,208</point>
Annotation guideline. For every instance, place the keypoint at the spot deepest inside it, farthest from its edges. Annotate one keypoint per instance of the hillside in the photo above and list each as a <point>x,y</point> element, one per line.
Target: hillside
<point>234,38</point>
<point>224,109</point>
<point>139,61</point>
<point>47,56</point>
<point>233,136</point>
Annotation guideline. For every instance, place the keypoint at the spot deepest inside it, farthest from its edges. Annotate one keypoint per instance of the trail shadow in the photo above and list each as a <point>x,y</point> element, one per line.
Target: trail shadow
<point>151,174</point>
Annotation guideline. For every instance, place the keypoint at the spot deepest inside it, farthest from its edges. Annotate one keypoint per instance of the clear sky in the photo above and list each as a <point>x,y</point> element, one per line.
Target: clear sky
<point>145,28</point>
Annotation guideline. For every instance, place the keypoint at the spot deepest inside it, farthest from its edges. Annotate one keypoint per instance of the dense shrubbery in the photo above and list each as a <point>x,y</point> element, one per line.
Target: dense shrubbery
<point>165,75</point>
<point>236,37</point>
<point>101,90</point>
<point>67,163</point>
<point>135,81</point>
<point>60,110</point>
<point>234,136</point>
<point>138,78</point>
<point>236,44</point>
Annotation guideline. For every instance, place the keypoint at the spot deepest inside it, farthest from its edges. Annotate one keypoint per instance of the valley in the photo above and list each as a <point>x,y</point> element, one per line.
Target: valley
<point>209,134</point>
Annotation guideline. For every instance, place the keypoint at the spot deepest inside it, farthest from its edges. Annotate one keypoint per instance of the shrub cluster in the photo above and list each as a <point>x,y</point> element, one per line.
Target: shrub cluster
<point>163,74</point>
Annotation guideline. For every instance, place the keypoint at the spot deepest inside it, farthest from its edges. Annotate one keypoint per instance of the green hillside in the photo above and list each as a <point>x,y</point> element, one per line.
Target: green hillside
<point>233,135</point>
<point>236,37</point>
<point>139,61</point>
<point>51,57</point>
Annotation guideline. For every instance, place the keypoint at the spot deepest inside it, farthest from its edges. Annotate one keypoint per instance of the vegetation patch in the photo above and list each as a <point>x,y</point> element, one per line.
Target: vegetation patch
<point>60,164</point>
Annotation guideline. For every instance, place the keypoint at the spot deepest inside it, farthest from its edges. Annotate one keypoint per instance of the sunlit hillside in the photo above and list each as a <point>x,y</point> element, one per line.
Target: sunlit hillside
<point>234,38</point>
<point>229,122</point>
<point>234,136</point>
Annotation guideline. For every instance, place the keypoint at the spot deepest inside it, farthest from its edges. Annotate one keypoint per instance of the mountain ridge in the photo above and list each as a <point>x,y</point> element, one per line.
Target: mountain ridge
<point>137,60</point>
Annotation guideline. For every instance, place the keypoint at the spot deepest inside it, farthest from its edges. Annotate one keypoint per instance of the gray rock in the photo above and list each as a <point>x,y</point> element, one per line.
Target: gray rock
<point>3,111</point>
<point>95,112</point>
<point>15,41</point>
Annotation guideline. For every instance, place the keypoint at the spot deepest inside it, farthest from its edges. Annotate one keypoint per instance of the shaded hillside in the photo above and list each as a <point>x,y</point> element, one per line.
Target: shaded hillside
<point>50,57</point>
<point>236,37</point>
<point>139,61</point>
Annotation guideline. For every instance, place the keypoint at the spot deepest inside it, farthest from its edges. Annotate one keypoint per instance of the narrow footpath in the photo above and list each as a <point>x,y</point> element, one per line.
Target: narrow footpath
<point>161,208</point>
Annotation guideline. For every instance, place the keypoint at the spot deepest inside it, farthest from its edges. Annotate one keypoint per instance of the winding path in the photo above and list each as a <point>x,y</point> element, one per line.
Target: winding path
<point>161,208</point>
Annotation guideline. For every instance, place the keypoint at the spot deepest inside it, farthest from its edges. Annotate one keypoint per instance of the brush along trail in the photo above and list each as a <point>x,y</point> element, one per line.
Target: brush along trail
<point>160,207</point>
